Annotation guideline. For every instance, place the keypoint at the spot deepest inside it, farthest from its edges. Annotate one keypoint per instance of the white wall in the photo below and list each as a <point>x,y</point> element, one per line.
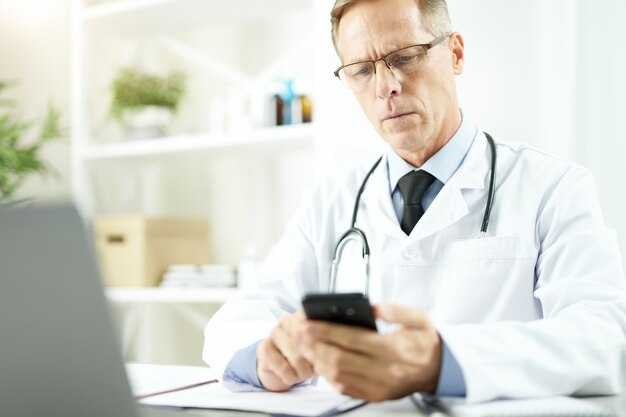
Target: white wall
<point>519,81</point>
<point>34,51</point>
<point>551,73</point>
<point>600,139</point>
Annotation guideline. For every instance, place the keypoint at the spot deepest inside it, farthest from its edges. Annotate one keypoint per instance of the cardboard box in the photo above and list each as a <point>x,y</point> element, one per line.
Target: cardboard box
<point>135,251</point>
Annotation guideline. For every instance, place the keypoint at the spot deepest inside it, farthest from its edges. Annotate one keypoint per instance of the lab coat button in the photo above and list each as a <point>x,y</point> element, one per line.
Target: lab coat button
<point>410,253</point>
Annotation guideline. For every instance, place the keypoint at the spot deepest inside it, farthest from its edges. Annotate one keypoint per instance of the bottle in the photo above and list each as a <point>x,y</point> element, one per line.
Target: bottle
<point>307,109</point>
<point>277,106</point>
<point>288,98</point>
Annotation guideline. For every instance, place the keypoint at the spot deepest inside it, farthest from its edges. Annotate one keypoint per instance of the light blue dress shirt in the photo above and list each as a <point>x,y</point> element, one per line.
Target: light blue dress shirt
<point>442,165</point>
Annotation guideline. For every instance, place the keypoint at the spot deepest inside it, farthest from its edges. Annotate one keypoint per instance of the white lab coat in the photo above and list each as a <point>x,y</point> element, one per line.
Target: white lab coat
<point>535,308</point>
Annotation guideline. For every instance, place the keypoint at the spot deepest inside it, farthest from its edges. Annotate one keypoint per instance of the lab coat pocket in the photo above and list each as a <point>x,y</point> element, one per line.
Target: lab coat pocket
<point>487,248</point>
<point>485,279</point>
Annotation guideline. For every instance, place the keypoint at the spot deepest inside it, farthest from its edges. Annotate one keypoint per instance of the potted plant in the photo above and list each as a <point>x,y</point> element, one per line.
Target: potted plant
<point>145,103</point>
<point>20,155</point>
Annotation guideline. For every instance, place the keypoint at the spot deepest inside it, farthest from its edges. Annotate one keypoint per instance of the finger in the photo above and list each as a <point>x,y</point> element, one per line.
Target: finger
<point>409,317</point>
<point>293,322</point>
<point>289,348</point>
<point>333,361</point>
<point>272,382</point>
<point>271,362</point>
<point>356,387</point>
<point>348,372</point>
<point>299,315</point>
<point>352,338</point>
<point>351,386</point>
<point>377,378</point>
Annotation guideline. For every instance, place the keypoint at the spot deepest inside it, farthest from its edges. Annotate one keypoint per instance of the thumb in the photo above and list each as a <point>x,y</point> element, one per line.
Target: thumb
<point>408,317</point>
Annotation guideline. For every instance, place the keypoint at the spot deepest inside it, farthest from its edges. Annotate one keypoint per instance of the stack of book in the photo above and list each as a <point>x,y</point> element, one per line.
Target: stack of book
<point>207,275</point>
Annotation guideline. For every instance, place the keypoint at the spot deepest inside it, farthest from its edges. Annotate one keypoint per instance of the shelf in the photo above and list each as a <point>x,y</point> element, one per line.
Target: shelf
<point>259,140</point>
<point>170,295</point>
<point>149,15</point>
<point>235,53</point>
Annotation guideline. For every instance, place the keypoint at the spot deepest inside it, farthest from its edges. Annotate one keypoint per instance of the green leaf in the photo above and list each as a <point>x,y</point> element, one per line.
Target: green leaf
<point>133,89</point>
<point>17,159</point>
<point>52,125</point>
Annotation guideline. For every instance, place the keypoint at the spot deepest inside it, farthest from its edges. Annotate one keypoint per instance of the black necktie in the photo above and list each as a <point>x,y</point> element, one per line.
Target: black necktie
<point>412,186</point>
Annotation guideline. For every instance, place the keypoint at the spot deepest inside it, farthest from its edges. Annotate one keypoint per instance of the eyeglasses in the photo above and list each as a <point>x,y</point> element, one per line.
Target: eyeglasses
<point>357,75</point>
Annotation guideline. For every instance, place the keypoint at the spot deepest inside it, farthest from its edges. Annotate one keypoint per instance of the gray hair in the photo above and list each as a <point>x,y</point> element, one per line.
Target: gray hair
<point>434,15</point>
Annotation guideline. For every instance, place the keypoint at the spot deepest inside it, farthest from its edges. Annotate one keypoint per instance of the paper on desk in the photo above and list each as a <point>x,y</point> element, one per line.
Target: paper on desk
<point>304,401</point>
<point>147,380</point>
<point>540,407</point>
<point>544,407</point>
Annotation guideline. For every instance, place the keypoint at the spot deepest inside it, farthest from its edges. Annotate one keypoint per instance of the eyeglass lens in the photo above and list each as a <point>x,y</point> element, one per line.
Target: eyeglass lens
<point>401,62</point>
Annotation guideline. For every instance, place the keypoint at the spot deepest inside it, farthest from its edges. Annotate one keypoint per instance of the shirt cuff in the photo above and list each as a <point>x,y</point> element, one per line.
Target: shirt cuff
<point>241,369</point>
<point>240,375</point>
<point>451,381</point>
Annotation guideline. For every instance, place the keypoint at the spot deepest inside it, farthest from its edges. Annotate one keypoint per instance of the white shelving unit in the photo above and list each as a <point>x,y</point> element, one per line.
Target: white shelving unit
<point>165,325</point>
<point>268,140</point>
<point>232,52</point>
<point>157,14</point>
<point>170,295</point>
<point>228,49</point>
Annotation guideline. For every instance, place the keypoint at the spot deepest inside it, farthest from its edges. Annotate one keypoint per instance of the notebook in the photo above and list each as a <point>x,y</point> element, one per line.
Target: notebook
<point>59,355</point>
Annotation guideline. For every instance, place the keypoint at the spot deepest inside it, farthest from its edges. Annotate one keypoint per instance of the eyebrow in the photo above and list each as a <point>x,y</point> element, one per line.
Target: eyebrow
<point>406,45</point>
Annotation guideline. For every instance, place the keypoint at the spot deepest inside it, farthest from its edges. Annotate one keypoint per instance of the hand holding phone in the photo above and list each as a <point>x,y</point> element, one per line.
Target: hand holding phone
<point>347,308</point>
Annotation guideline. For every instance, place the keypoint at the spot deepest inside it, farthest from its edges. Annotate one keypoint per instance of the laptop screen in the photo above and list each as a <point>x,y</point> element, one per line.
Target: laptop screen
<point>59,353</point>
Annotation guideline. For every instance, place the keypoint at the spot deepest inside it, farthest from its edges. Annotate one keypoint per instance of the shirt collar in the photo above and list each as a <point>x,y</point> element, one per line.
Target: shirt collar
<point>443,164</point>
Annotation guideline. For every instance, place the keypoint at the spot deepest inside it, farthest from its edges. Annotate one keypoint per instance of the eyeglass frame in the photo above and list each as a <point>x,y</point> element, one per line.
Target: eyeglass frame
<point>425,46</point>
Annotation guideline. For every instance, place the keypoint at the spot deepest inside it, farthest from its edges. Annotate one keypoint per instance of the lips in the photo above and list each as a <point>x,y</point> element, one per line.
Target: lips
<point>396,115</point>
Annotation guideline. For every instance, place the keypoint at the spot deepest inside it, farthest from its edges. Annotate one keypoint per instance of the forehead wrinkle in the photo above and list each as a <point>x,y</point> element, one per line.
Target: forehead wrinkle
<point>373,35</point>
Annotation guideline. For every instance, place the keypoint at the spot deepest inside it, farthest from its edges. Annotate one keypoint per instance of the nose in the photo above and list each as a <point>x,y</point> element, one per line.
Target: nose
<point>387,84</point>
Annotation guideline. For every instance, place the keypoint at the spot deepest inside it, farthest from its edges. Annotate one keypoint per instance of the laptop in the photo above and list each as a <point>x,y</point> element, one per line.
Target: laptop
<point>59,352</point>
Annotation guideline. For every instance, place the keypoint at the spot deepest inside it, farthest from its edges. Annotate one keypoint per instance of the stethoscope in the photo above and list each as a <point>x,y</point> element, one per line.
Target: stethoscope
<point>354,233</point>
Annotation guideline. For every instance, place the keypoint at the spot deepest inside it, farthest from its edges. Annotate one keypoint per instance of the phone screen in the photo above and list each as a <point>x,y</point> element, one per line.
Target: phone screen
<point>343,308</point>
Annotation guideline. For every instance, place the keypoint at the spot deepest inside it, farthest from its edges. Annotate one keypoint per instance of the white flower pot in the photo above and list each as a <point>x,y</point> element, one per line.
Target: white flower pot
<point>149,122</point>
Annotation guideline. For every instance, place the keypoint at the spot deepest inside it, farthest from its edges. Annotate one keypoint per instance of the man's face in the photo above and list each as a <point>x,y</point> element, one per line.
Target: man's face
<point>416,113</point>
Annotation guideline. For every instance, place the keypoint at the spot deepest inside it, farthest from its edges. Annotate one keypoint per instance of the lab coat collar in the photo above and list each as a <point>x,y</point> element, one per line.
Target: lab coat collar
<point>380,197</point>
<point>450,205</point>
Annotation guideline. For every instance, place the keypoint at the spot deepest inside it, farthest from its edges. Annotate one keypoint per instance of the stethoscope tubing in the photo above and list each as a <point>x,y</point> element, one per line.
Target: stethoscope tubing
<point>354,233</point>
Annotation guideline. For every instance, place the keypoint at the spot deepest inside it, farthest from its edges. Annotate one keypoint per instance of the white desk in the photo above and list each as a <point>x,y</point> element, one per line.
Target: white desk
<point>615,405</point>
<point>165,325</point>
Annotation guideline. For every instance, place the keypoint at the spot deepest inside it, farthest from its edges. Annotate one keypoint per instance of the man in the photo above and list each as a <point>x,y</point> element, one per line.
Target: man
<point>536,307</point>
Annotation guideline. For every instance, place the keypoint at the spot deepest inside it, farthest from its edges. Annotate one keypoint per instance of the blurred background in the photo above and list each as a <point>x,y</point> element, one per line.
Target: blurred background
<point>204,122</point>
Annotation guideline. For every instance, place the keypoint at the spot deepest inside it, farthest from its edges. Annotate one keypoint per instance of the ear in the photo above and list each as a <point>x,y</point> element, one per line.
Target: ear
<point>457,45</point>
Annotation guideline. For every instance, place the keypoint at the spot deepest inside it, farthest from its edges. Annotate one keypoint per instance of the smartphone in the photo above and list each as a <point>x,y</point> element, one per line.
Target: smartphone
<point>343,308</point>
